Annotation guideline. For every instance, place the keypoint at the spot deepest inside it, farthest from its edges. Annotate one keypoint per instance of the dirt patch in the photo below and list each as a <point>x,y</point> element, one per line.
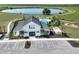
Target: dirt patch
<point>71,25</point>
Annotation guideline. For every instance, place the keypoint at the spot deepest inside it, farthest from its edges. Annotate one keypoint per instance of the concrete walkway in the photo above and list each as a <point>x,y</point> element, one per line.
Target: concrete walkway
<point>39,47</point>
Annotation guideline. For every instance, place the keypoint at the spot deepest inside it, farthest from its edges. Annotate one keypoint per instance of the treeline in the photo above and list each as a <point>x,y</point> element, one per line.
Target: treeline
<point>5,7</point>
<point>12,6</point>
<point>39,4</point>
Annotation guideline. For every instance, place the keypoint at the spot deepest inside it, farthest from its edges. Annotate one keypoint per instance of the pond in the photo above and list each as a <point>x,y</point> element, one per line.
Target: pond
<point>32,11</point>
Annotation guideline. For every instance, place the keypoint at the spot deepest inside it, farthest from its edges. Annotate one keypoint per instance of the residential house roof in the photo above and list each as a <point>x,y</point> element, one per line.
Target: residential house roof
<point>33,19</point>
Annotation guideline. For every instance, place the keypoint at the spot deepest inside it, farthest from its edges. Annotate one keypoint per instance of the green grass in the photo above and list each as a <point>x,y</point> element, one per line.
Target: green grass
<point>5,18</point>
<point>73,16</point>
<point>71,32</point>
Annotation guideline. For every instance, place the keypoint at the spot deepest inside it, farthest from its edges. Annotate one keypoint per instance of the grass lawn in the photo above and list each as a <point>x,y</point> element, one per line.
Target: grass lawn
<point>71,32</point>
<point>5,18</point>
<point>73,16</point>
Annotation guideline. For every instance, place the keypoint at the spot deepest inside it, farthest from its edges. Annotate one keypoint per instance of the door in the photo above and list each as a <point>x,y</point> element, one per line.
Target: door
<point>31,33</point>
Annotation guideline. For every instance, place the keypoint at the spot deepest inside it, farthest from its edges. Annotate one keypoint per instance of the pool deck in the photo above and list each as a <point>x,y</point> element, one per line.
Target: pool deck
<point>38,47</point>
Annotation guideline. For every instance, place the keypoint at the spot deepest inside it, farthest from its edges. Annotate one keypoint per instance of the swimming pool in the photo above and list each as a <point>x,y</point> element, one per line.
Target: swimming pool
<point>45,20</point>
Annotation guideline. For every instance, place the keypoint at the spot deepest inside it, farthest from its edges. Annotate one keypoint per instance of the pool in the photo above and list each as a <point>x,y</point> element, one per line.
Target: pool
<point>45,20</point>
<point>32,11</point>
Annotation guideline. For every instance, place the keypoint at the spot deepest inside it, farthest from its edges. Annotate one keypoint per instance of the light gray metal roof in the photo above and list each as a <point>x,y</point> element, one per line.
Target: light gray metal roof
<point>33,19</point>
<point>30,19</point>
<point>19,26</point>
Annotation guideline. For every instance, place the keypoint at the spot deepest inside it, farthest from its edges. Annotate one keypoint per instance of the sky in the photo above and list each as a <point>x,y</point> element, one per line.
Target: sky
<point>39,2</point>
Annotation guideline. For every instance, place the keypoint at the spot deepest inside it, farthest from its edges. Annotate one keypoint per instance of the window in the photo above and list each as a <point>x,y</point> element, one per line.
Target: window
<point>31,27</point>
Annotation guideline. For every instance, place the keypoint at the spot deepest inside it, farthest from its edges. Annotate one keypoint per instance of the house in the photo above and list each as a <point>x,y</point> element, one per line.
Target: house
<point>31,27</point>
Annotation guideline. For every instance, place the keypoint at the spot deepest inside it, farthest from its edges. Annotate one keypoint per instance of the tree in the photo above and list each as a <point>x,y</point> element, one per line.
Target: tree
<point>46,11</point>
<point>57,23</point>
<point>49,24</point>
<point>54,18</point>
<point>54,22</point>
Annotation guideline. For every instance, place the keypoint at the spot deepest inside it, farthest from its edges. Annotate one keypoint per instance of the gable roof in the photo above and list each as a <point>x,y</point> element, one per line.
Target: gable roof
<point>30,19</point>
<point>33,19</point>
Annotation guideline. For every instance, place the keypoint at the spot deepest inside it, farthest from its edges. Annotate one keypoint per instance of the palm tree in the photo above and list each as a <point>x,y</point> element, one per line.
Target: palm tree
<point>54,18</point>
<point>46,11</point>
<point>55,21</point>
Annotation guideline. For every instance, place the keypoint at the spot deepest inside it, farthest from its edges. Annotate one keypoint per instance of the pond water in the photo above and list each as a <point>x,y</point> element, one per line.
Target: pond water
<point>31,11</point>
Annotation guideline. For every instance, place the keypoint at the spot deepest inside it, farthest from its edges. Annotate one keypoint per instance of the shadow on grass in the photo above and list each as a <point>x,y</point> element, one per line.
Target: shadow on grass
<point>74,44</point>
<point>65,35</point>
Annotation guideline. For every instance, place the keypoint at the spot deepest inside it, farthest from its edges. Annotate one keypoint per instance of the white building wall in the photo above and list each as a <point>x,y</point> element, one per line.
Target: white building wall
<point>36,29</point>
<point>16,33</point>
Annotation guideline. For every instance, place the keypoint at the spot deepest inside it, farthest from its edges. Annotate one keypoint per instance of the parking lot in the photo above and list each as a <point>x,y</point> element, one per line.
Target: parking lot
<point>38,47</point>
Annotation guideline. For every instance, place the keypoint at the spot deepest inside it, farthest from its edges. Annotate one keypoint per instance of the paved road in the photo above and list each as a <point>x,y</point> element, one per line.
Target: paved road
<point>48,47</point>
